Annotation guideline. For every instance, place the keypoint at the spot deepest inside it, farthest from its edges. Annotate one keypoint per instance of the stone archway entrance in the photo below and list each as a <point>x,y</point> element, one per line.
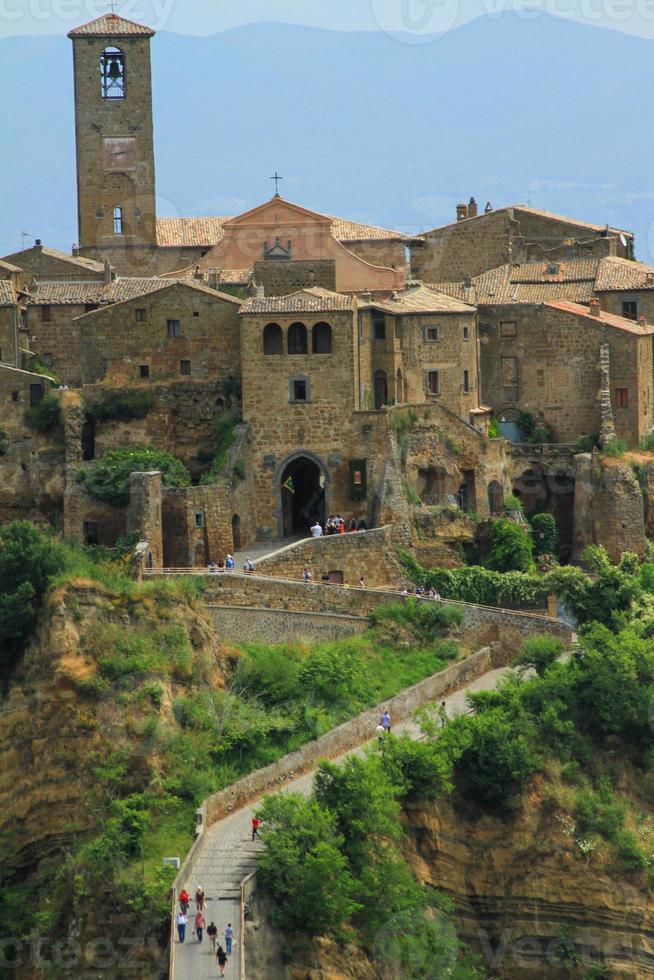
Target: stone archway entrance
<point>302,486</point>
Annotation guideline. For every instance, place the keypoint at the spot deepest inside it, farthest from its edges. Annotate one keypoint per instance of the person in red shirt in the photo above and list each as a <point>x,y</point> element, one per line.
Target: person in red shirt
<point>184,900</point>
<point>199,924</point>
<point>256,823</point>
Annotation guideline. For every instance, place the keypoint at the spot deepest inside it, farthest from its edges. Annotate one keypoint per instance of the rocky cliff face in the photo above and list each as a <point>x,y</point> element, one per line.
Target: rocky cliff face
<point>67,719</point>
<point>526,901</point>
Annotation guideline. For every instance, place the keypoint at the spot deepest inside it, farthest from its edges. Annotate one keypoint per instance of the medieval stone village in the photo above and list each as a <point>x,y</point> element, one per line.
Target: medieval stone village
<point>265,464</point>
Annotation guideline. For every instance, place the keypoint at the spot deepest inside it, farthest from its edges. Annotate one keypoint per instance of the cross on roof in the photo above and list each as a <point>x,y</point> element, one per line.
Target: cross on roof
<point>277,179</point>
<point>112,4</point>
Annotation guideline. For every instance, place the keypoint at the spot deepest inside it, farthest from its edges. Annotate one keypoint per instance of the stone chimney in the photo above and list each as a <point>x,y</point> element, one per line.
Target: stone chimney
<point>594,307</point>
<point>461,212</point>
<point>108,273</point>
<point>366,296</point>
<point>642,320</point>
<point>38,245</point>
<point>472,208</point>
<point>261,292</point>
<point>213,278</point>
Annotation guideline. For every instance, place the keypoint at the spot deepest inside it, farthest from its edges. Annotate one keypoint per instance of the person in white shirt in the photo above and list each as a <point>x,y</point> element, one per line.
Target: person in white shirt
<point>316,530</point>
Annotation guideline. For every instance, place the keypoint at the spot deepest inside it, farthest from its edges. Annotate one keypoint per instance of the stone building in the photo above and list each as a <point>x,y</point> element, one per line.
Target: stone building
<point>179,330</point>
<point>420,346</point>
<point>11,320</point>
<point>48,265</point>
<point>544,360</point>
<point>53,312</point>
<point>476,242</point>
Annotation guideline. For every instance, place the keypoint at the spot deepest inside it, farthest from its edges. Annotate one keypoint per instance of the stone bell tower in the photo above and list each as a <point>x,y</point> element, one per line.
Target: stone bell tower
<point>115,144</point>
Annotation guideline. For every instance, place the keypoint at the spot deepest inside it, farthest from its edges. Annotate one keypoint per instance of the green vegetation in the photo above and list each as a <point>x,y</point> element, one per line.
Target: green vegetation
<point>225,434</point>
<point>494,428</point>
<point>615,447</point>
<point>106,479</point>
<point>543,532</point>
<point>38,366</point>
<point>121,406</point>
<point>45,415</point>
<point>29,559</point>
<point>585,444</point>
<point>511,548</point>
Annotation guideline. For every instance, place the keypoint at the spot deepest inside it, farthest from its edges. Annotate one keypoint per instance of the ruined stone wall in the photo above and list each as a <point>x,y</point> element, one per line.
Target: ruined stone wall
<point>557,357</point>
<point>196,525</point>
<point>144,513</point>
<point>608,506</point>
<point>116,344</point>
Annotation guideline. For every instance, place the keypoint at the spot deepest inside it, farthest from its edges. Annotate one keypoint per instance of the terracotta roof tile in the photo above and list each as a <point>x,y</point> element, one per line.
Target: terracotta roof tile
<point>111,24</point>
<point>615,273</point>
<point>609,319</point>
<point>422,299</point>
<point>305,301</point>
<point>7,293</point>
<point>354,231</point>
<point>8,267</point>
<point>82,293</point>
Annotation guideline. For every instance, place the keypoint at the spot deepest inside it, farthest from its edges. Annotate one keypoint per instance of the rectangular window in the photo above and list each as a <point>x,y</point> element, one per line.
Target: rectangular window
<point>46,314</point>
<point>466,333</point>
<point>144,370</point>
<point>432,334</point>
<point>508,328</point>
<point>300,391</point>
<point>184,367</point>
<point>196,313</point>
<point>434,382</point>
<point>199,518</point>
<point>466,380</point>
<point>36,394</point>
<point>509,372</point>
<point>630,309</point>
<point>621,398</point>
<point>140,315</point>
<point>174,328</point>
<point>378,326</point>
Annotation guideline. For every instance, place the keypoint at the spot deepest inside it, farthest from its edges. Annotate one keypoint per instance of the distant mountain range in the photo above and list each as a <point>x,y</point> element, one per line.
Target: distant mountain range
<point>362,125</point>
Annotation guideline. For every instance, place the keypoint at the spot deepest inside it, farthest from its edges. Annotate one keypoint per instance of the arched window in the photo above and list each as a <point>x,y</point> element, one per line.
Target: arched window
<point>322,338</point>
<point>118,221</point>
<point>112,72</point>
<point>273,339</point>
<point>297,339</point>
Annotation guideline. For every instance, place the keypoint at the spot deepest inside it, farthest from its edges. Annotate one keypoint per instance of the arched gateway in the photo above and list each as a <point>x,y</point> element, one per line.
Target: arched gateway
<point>303,485</point>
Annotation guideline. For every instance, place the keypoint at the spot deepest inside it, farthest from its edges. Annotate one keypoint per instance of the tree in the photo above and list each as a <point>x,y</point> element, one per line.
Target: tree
<point>543,531</point>
<point>540,652</point>
<point>302,866</point>
<point>511,548</point>
<point>498,759</point>
<point>106,479</point>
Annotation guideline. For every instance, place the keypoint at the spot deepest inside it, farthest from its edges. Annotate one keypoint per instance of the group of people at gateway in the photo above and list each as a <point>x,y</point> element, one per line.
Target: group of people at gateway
<point>222,953</point>
<point>336,524</point>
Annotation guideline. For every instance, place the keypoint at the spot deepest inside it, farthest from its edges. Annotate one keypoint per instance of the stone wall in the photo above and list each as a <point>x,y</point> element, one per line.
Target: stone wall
<point>279,277</point>
<point>347,736</point>
<point>196,525</point>
<point>371,554</point>
<point>55,337</point>
<point>247,625</point>
<point>144,513</point>
<point>119,341</point>
<point>609,508</point>
<point>556,358</point>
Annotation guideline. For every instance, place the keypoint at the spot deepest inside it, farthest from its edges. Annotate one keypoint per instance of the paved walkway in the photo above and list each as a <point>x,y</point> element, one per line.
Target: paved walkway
<point>228,855</point>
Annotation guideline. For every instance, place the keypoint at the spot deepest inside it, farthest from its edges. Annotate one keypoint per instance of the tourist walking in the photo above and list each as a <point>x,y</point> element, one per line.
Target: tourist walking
<point>229,939</point>
<point>229,562</point>
<point>212,933</point>
<point>199,925</point>
<point>184,900</point>
<point>316,530</point>
<point>442,714</point>
<point>385,721</point>
<point>199,898</point>
<point>181,926</point>
<point>307,575</point>
<point>221,959</point>
<point>362,582</point>
<point>256,823</point>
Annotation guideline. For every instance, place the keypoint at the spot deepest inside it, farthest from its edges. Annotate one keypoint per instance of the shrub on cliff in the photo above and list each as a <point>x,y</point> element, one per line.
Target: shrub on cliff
<point>121,406</point>
<point>45,415</point>
<point>511,548</point>
<point>106,479</point>
<point>543,530</point>
<point>29,558</point>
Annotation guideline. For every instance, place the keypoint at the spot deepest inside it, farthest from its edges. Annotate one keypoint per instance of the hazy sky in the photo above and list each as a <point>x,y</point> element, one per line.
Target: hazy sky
<point>416,17</point>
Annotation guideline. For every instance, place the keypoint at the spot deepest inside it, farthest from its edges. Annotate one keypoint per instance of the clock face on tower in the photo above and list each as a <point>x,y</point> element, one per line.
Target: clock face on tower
<point>119,154</point>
